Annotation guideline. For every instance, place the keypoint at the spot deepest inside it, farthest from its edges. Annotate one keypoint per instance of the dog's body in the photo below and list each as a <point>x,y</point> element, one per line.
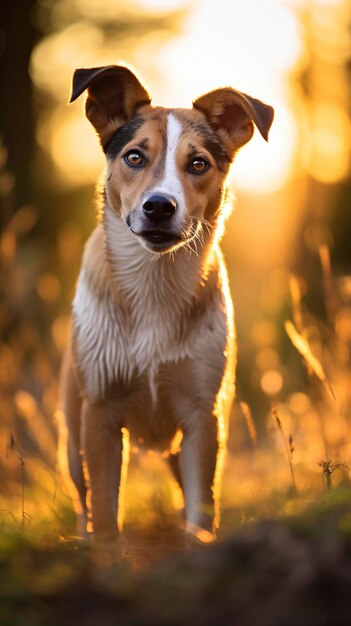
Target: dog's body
<point>153,346</point>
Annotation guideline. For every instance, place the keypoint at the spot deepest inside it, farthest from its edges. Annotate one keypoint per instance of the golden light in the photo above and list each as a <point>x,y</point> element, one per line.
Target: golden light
<point>265,168</point>
<point>25,404</point>
<point>263,334</point>
<point>299,402</point>
<point>60,332</point>
<point>267,359</point>
<point>343,324</point>
<point>69,242</point>
<point>7,365</point>
<point>48,287</point>
<point>272,382</point>
<point>316,236</point>
<point>159,5</point>
<point>57,55</point>
<point>73,146</point>
<point>328,156</point>
<point>239,52</point>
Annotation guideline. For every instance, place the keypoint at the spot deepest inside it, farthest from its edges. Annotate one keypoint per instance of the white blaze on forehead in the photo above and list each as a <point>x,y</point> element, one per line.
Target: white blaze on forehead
<point>171,183</point>
<point>174,130</point>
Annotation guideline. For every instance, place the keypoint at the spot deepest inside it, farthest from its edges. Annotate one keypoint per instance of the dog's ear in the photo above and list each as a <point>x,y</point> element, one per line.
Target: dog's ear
<point>114,95</point>
<point>232,115</point>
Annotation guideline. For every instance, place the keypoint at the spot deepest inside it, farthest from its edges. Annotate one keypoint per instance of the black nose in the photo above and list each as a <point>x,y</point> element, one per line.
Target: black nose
<point>159,208</point>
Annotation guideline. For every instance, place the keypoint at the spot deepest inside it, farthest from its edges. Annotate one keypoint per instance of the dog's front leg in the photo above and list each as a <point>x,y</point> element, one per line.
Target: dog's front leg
<point>102,447</point>
<point>198,462</point>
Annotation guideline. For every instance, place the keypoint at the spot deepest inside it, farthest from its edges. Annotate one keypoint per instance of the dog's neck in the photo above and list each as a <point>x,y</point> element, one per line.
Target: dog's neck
<point>138,271</point>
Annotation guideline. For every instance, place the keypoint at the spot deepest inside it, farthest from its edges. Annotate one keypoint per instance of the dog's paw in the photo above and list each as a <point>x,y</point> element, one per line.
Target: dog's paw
<point>195,535</point>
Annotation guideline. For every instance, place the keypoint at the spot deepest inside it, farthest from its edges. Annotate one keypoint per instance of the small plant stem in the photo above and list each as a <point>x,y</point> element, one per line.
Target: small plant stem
<point>288,448</point>
<point>329,296</point>
<point>21,462</point>
<point>245,409</point>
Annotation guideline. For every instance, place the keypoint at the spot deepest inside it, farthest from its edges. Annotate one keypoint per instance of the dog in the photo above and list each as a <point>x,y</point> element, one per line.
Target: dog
<point>152,351</point>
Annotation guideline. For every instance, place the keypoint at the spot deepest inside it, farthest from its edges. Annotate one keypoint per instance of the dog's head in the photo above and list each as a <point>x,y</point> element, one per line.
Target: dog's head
<point>166,167</point>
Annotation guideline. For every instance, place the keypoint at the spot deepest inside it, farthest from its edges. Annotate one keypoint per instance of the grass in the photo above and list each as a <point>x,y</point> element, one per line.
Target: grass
<point>288,446</point>
<point>294,570</point>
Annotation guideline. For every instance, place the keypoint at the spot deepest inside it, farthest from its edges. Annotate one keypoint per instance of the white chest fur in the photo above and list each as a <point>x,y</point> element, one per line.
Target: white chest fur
<point>129,315</point>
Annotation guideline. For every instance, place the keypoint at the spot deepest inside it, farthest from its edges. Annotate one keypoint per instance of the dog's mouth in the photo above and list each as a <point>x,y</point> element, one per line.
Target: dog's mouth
<point>159,236</point>
<point>158,240</point>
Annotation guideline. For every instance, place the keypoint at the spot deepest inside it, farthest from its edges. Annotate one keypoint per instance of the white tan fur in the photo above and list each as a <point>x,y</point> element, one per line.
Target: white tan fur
<point>153,347</point>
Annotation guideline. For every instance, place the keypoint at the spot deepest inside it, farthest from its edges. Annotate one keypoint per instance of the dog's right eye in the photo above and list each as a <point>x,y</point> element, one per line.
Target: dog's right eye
<point>134,158</point>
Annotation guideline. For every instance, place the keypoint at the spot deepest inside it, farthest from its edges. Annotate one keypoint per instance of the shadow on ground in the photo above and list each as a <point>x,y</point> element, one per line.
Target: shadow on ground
<point>295,571</point>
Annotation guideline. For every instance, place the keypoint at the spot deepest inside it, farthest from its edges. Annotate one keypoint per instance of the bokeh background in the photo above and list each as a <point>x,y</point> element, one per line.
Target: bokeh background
<point>287,244</point>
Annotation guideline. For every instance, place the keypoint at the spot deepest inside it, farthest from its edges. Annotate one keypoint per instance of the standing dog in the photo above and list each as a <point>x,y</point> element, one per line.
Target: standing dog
<point>153,347</point>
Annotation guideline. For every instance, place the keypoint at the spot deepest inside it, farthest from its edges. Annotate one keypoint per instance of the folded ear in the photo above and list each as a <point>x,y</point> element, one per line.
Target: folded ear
<point>114,95</point>
<point>232,115</point>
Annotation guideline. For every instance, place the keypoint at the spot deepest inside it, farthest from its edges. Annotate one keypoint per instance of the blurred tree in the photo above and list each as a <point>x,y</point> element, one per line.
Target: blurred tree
<point>18,36</point>
<point>325,84</point>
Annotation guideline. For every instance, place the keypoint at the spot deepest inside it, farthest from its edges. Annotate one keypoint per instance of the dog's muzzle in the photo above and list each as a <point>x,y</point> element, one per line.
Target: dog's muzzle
<point>157,230</point>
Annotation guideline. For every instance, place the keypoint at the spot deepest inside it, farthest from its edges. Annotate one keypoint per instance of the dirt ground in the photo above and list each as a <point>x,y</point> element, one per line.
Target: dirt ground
<point>288,572</point>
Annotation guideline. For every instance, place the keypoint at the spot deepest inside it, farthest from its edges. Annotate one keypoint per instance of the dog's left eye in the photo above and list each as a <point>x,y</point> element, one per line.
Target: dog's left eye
<point>134,158</point>
<point>198,166</point>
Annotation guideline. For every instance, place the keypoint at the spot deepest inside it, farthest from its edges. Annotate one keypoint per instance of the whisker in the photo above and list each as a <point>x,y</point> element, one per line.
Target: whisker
<point>200,236</point>
<point>194,250</point>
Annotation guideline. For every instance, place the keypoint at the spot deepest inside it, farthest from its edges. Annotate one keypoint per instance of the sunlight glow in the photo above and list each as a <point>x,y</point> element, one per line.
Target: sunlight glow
<point>160,5</point>
<point>74,147</point>
<point>259,167</point>
<point>56,56</point>
<point>230,57</point>
<point>48,287</point>
<point>253,64</point>
<point>328,159</point>
<point>272,382</point>
<point>123,479</point>
<point>299,402</point>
